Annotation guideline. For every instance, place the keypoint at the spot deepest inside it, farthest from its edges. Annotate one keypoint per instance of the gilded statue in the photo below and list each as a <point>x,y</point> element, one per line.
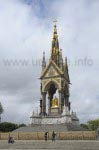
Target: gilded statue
<point>55,102</point>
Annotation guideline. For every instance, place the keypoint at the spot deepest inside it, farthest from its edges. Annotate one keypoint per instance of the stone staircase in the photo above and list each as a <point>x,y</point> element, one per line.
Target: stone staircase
<point>50,128</point>
<point>72,127</point>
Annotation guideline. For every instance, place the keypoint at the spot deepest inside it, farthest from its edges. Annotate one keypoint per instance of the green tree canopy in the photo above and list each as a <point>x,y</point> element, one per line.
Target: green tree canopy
<point>85,126</point>
<point>21,125</point>
<point>1,110</point>
<point>93,124</point>
<point>8,126</point>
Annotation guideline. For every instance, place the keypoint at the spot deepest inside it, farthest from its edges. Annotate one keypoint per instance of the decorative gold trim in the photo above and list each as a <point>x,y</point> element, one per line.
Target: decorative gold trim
<point>47,67</point>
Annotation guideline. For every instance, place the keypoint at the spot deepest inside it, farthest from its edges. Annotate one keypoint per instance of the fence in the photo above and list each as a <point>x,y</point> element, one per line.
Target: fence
<point>76,135</point>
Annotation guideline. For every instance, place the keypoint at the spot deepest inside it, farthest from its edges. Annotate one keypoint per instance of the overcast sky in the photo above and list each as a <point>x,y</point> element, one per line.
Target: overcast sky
<point>26,28</point>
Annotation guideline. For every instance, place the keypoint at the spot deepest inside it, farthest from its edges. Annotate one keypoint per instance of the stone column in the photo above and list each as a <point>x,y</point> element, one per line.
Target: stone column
<point>66,100</point>
<point>60,100</point>
<point>40,106</point>
<point>44,103</point>
<point>49,108</point>
<point>50,97</point>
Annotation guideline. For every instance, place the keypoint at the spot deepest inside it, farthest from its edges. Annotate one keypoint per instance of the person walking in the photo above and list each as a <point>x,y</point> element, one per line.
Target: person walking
<point>46,136</point>
<point>53,136</point>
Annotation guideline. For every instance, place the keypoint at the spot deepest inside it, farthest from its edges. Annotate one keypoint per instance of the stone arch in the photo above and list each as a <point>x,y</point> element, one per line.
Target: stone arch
<point>50,88</point>
<point>48,85</point>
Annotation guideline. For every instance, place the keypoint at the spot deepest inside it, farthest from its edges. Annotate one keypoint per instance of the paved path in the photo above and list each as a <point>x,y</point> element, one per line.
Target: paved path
<point>49,145</point>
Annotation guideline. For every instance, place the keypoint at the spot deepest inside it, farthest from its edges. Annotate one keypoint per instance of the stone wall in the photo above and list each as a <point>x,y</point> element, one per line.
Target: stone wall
<point>76,135</point>
<point>51,120</point>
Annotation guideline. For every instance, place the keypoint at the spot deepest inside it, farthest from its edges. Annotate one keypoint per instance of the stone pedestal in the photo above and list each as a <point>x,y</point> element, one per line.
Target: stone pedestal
<point>55,111</point>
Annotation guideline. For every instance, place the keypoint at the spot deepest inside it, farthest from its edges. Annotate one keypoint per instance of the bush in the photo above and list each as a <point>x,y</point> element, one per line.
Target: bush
<point>85,126</point>
<point>93,124</point>
<point>7,126</point>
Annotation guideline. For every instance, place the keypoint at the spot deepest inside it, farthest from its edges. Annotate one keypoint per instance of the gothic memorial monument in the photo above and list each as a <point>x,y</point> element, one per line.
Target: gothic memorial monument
<point>55,107</point>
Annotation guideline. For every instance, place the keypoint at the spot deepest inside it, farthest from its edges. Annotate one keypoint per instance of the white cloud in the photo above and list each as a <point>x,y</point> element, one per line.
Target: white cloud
<point>25,34</point>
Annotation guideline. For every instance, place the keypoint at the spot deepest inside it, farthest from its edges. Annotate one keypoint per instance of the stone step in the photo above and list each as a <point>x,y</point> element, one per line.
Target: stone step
<point>50,128</point>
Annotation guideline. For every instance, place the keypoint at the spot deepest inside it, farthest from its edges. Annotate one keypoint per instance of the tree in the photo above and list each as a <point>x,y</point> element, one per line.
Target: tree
<point>93,124</point>
<point>21,125</point>
<point>8,126</point>
<point>1,110</point>
<point>85,126</point>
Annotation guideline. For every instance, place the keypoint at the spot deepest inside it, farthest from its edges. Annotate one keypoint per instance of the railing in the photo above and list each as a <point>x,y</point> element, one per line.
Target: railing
<point>75,135</point>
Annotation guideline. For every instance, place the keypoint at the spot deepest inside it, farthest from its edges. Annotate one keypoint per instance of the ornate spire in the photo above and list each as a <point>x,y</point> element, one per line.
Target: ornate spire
<point>55,46</point>
<point>65,62</point>
<point>43,61</point>
<point>66,70</point>
<point>55,43</point>
<point>61,60</point>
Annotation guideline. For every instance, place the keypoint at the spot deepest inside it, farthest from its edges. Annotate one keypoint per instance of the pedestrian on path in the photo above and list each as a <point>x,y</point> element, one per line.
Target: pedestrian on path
<point>53,136</point>
<point>46,136</point>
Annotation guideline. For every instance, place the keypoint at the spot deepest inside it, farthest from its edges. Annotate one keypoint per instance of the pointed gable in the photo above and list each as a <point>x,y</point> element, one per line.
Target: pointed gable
<point>51,70</point>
